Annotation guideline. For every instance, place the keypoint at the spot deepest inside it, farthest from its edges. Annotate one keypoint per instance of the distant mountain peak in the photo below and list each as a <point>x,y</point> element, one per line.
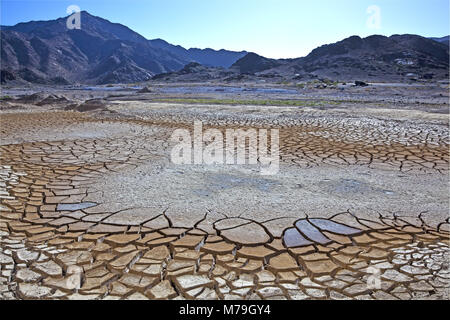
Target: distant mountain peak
<point>106,52</point>
<point>253,63</point>
<point>100,52</point>
<point>397,57</point>
<point>444,40</point>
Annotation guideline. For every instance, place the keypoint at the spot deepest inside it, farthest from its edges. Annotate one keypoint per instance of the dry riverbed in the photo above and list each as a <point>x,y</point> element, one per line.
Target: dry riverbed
<point>92,207</point>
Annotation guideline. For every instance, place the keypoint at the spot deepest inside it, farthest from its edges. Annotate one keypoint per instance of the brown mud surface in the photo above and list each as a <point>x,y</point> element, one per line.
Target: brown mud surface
<point>91,206</point>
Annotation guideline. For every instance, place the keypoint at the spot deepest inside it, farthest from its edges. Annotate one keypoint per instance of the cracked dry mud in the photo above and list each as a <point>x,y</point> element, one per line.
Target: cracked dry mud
<point>92,208</point>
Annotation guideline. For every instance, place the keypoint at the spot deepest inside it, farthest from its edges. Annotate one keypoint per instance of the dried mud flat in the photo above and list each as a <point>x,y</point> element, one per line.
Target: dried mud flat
<point>92,207</point>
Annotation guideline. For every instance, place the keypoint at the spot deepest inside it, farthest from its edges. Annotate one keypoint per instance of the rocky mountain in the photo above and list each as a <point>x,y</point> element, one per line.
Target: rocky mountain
<point>444,40</point>
<point>100,52</point>
<point>207,57</point>
<point>246,68</point>
<point>104,52</point>
<point>253,63</point>
<point>374,57</point>
<point>194,72</point>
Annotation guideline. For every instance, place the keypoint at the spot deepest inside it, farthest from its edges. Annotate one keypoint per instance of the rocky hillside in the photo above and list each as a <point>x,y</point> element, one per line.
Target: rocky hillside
<point>100,52</point>
<point>194,72</point>
<point>374,57</point>
<point>207,57</point>
<point>253,63</point>
<point>444,40</point>
<point>103,52</point>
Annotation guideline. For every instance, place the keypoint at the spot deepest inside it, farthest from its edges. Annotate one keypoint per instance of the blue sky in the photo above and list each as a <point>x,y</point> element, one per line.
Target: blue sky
<point>273,28</point>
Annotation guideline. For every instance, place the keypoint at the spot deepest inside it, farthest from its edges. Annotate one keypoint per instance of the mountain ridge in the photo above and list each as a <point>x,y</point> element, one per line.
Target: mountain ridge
<point>374,57</point>
<point>100,52</point>
<point>104,52</point>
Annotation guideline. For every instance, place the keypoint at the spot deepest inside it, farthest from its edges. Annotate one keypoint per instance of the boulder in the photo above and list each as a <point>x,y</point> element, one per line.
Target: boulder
<point>360,83</point>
